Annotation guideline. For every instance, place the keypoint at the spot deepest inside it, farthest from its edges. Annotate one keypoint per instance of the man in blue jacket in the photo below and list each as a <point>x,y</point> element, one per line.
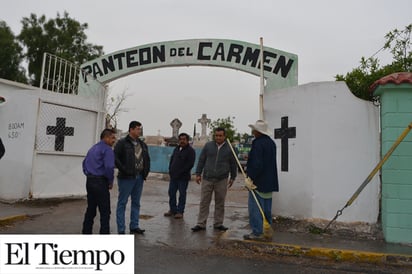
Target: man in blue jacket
<point>262,175</point>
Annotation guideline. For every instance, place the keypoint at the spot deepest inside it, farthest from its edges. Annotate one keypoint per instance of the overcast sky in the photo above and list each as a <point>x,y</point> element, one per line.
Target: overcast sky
<point>329,37</point>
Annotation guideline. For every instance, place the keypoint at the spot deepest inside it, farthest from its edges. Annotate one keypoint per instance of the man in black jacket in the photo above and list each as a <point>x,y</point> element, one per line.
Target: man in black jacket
<point>180,165</point>
<point>133,161</point>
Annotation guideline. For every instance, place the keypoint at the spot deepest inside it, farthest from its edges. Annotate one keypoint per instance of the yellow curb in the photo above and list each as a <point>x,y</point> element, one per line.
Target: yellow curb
<point>326,253</point>
<point>11,219</point>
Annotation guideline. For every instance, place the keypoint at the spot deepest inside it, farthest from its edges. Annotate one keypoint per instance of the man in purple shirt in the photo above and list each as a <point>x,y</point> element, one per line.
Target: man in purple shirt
<point>98,166</point>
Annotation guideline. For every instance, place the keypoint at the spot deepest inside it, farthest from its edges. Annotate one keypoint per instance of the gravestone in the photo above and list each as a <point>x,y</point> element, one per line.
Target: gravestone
<point>204,121</point>
<point>176,124</point>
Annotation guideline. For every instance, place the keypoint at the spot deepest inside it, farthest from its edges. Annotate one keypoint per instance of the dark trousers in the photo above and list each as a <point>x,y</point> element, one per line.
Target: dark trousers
<point>98,196</point>
<point>174,186</point>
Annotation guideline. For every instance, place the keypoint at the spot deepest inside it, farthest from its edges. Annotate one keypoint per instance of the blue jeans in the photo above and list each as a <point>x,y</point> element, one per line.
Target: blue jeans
<point>132,188</point>
<point>174,186</point>
<point>255,217</point>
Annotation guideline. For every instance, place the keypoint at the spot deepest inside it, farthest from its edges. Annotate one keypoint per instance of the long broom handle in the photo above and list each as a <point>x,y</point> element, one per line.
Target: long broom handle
<point>244,174</point>
<point>259,206</point>
<point>372,174</point>
<point>237,160</point>
<point>380,164</point>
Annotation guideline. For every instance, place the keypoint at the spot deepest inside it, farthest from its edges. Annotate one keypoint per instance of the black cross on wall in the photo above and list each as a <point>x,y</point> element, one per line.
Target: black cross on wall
<point>60,131</point>
<point>284,133</point>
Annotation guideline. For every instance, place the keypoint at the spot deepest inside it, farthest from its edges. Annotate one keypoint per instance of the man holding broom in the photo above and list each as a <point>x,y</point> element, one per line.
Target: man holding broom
<point>262,180</point>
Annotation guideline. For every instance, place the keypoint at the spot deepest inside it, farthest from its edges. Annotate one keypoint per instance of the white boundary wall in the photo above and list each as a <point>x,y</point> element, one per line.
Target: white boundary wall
<point>335,149</point>
<point>31,167</point>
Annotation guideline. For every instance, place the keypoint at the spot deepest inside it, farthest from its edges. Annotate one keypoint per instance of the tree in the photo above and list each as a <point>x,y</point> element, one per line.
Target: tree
<point>399,44</point>
<point>63,37</point>
<point>227,124</point>
<point>10,56</point>
<point>114,108</point>
<point>361,78</point>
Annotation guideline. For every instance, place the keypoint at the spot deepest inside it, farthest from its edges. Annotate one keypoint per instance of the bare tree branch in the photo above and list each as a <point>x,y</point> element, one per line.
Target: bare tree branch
<point>114,107</point>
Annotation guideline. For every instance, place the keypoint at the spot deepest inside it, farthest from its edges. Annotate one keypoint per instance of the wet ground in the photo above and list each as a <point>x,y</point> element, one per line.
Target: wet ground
<point>155,203</point>
<point>65,216</point>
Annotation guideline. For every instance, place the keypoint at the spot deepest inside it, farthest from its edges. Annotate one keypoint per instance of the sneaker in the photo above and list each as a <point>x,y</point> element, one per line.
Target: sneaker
<point>221,228</point>
<point>137,231</point>
<point>252,236</point>
<point>168,214</point>
<point>178,216</point>
<point>197,228</point>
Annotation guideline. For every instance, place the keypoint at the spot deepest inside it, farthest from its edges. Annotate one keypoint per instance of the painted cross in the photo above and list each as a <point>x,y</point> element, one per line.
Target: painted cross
<point>284,133</point>
<point>60,131</point>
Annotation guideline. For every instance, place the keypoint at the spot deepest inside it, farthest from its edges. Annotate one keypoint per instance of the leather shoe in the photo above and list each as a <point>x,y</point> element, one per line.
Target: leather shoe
<point>178,216</point>
<point>137,231</point>
<point>252,237</point>
<point>221,228</point>
<point>197,228</point>
<point>169,214</point>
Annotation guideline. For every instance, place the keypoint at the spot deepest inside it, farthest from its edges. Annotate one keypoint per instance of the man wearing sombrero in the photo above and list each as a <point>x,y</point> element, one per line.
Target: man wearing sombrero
<point>262,175</point>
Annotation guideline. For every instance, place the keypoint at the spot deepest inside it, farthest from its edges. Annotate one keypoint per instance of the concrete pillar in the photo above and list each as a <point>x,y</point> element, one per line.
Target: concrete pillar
<point>395,92</point>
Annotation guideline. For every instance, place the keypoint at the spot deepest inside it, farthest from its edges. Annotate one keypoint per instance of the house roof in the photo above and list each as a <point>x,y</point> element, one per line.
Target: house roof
<point>394,78</point>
